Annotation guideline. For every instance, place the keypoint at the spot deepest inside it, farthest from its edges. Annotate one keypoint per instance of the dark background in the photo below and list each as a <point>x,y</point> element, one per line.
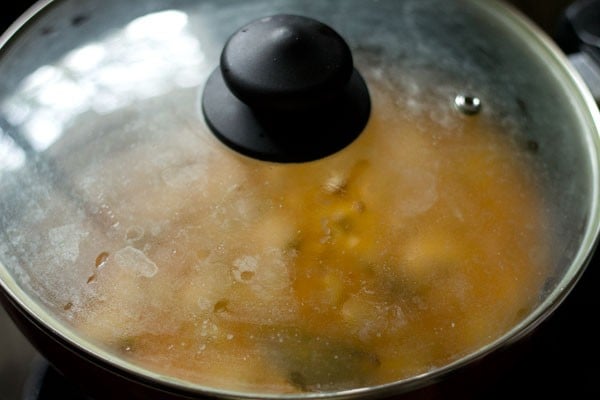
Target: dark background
<point>560,360</point>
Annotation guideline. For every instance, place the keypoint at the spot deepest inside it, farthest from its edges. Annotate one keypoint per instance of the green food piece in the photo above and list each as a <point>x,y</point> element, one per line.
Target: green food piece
<point>318,363</point>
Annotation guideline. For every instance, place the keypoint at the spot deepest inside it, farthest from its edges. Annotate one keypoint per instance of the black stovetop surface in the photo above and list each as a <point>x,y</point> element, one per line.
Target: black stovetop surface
<point>560,361</point>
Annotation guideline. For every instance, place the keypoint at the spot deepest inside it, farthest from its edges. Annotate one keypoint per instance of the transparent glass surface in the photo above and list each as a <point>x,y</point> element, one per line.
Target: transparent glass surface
<point>101,135</point>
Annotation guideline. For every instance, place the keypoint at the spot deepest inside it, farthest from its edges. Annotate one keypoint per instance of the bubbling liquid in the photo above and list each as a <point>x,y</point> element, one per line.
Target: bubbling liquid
<point>411,248</point>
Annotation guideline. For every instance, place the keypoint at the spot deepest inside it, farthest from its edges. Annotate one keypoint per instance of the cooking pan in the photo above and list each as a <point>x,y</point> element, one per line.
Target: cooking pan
<point>130,127</point>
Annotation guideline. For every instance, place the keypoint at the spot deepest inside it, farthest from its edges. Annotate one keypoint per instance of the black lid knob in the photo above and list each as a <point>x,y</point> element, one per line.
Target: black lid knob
<point>286,91</point>
<point>286,62</point>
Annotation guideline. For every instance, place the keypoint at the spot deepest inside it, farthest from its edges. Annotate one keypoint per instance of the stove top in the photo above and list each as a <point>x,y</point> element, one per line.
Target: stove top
<point>560,360</point>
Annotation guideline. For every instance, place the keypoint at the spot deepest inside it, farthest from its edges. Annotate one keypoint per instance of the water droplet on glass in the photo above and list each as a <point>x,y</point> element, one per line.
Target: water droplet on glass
<point>101,259</point>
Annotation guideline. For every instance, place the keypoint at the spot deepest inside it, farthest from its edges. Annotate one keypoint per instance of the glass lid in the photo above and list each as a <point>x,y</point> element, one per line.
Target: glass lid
<point>455,217</point>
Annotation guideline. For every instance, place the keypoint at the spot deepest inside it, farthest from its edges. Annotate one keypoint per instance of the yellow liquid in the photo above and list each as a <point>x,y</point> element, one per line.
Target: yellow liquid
<point>414,246</point>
